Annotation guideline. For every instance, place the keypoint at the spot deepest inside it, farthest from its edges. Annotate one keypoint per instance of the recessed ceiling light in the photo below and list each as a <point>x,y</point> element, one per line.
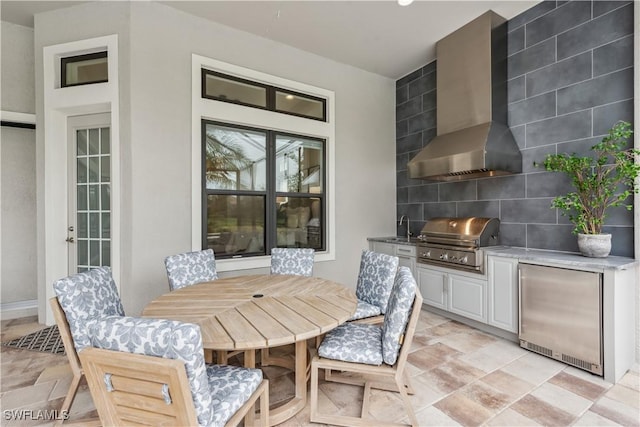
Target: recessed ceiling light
<point>289,97</point>
<point>405,2</point>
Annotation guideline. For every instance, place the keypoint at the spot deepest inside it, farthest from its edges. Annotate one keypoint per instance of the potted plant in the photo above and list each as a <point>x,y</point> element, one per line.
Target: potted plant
<point>605,180</point>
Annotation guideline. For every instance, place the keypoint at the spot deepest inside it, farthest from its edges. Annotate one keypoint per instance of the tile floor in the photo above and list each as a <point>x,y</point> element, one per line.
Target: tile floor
<point>461,376</point>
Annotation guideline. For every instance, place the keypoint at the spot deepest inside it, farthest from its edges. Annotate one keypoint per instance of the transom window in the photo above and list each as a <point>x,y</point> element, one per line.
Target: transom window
<point>261,189</point>
<point>226,88</point>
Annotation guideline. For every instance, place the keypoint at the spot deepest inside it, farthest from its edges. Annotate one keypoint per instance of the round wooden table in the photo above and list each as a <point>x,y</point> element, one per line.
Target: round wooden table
<point>261,311</point>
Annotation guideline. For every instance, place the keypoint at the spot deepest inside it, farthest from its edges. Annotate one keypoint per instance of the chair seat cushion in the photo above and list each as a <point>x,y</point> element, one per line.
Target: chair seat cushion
<point>364,310</point>
<point>353,342</point>
<point>231,387</point>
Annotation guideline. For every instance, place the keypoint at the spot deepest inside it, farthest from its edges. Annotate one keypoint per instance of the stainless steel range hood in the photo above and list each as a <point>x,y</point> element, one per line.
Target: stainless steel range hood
<point>472,139</point>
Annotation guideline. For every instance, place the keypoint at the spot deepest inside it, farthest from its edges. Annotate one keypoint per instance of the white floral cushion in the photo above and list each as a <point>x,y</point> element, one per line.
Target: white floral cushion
<point>217,391</point>
<point>85,297</point>
<point>395,320</point>
<point>364,310</point>
<point>375,279</point>
<point>353,342</point>
<point>190,268</point>
<point>297,261</point>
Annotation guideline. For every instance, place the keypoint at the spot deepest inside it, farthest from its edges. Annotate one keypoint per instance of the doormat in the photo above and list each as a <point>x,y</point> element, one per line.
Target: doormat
<point>46,340</point>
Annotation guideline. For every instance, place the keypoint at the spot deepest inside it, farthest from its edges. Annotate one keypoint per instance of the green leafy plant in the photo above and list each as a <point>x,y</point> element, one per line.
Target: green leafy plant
<point>605,180</point>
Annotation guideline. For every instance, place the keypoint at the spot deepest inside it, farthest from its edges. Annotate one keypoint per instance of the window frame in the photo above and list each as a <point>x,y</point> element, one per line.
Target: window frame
<point>241,115</point>
<point>270,193</point>
<point>66,60</point>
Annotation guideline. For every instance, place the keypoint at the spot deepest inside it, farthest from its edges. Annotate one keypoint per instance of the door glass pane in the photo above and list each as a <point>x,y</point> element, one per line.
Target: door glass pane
<point>299,104</point>
<point>299,166</point>
<point>235,91</point>
<point>235,224</point>
<point>235,159</point>
<point>93,201</point>
<point>299,222</point>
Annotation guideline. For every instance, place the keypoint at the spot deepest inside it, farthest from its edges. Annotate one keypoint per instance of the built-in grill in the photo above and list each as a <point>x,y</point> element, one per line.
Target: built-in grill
<point>457,242</point>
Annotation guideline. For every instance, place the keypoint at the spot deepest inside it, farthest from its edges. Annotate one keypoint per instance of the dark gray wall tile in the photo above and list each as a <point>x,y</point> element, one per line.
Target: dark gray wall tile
<point>409,143</point>
<point>513,234</point>
<point>531,14</point>
<point>560,19</point>
<point>520,135</point>
<point>428,135</point>
<point>402,195</point>
<point>531,58</point>
<point>606,116</point>
<point>531,109</point>
<point>409,77</point>
<point>402,128</point>
<point>435,210</point>
<point>456,191</point>
<point>559,129</point>
<point>429,101</point>
<point>621,240</point>
<point>560,74</point>
<point>552,237</point>
<point>599,91</point>
<point>547,184</point>
<point>426,120</point>
<point>409,108</point>
<point>581,147</point>
<point>430,67</point>
<point>515,41</point>
<point>402,94</point>
<point>619,215</point>
<point>423,193</point>
<point>538,154</point>
<point>422,84</point>
<point>613,56</point>
<point>502,187</point>
<point>604,6</point>
<point>537,211</point>
<point>401,161</point>
<point>596,32</point>
<point>485,209</point>
<point>516,89</point>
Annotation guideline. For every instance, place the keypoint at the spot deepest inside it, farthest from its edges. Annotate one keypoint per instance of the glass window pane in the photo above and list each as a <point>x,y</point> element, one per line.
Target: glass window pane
<point>299,222</point>
<point>94,169</point>
<point>83,69</point>
<point>94,197</point>
<point>105,169</point>
<point>105,197</point>
<point>104,141</point>
<point>94,142</point>
<point>235,91</point>
<point>299,167</point>
<point>81,139</point>
<point>94,253</point>
<point>299,104</point>
<point>83,252</point>
<point>94,225</point>
<point>235,225</point>
<point>106,253</point>
<point>82,169</point>
<point>235,159</point>
<point>82,198</point>
<point>106,225</point>
<point>82,225</point>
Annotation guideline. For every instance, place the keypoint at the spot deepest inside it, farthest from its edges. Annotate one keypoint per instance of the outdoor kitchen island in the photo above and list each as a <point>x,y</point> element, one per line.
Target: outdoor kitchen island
<point>490,301</point>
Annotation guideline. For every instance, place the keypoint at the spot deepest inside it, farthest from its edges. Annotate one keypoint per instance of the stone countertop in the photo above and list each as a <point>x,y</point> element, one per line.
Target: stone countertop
<point>562,258</point>
<point>399,240</point>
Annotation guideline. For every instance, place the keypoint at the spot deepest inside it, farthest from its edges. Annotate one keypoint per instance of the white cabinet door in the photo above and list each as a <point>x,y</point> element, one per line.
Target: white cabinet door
<point>383,248</point>
<point>467,297</point>
<point>407,256</point>
<point>433,287</point>
<point>503,293</point>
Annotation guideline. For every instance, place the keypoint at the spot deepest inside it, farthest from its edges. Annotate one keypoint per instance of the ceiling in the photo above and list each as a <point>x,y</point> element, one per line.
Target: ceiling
<point>378,36</point>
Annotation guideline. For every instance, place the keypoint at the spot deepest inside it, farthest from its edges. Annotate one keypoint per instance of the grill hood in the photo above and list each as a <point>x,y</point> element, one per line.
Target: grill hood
<point>472,139</point>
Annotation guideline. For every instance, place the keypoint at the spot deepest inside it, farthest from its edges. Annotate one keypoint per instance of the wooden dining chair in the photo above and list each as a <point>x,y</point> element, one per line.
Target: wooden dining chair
<point>375,280</point>
<point>378,355</point>
<point>82,298</point>
<point>152,372</point>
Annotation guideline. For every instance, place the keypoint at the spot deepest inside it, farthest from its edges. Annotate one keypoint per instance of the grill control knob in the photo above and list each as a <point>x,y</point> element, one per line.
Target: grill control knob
<point>444,257</point>
<point>464,260</point>
<point>454,259</point>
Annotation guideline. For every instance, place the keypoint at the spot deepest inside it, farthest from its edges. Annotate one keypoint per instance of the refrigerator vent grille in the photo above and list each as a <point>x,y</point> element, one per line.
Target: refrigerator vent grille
<point>577,362</point>
<point>540,349</point>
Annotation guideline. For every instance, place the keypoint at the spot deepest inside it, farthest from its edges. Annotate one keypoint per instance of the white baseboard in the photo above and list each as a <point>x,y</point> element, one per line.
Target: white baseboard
<point>15,310</point>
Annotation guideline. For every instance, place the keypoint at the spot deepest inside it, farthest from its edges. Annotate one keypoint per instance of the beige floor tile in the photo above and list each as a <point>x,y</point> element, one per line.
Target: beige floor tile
<point>432,356</point>
<point>432,416</point>
<point>35,394</point>
<point>562,398</point>
<point>345,399</point>
<point>624,394</point>
<point>542,412</point>
<point>577,385</point>
<point>533,368</point>
<point>494,355</point>
<point>488,397</point>
<point>587,376</point>
<point>617,411</point>
<point>464,410</point>
<point>426,393</point>
<point>511,418</point>
<point>631,379</point>
<point>468,341</point>
<point>507,384</point>
<point>591,419</point>
<point>387,406</point>
<point>55,372</point>
<point>452,375</point>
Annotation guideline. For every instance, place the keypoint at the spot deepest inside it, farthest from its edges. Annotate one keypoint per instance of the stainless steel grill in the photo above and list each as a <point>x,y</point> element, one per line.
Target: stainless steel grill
<point>457,242</point>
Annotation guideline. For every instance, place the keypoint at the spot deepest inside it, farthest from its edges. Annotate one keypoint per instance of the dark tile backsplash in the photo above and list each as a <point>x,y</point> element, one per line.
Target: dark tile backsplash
<point>570,70</point>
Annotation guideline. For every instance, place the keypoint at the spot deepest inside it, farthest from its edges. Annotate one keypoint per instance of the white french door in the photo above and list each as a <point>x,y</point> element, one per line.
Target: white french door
<point>89,192</point>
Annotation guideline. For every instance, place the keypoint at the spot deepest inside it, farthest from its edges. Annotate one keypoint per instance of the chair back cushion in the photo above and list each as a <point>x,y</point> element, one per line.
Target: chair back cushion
<point>375,278</point>
<point>86,297</point>
<point>297,261</point>
<point>190,268</point>
<point>161,338</point>
<point>395,320</point>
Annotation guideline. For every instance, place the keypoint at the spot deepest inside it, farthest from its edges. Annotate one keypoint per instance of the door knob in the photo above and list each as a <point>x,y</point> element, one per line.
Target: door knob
<point>70,240</point>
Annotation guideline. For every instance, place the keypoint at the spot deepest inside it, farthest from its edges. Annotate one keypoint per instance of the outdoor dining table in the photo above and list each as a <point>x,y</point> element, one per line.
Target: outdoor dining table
<point>252,312</point>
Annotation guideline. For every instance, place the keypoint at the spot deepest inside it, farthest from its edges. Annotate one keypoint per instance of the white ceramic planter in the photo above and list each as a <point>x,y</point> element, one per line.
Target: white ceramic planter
<point>594,245</point>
